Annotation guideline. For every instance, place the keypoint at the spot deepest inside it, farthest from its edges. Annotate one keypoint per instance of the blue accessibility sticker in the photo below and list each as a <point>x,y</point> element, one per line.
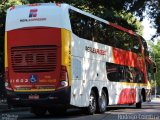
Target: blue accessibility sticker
<point>33,78</point>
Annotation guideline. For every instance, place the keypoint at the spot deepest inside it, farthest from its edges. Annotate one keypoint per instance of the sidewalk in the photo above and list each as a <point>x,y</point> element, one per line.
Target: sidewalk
<point>155,100</point>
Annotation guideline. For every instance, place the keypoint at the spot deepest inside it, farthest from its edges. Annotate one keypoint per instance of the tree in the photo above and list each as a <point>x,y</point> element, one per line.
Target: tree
<point>155,53</point>
<point>117,11</point>
<point>121,12</point>
<point>4,5</point>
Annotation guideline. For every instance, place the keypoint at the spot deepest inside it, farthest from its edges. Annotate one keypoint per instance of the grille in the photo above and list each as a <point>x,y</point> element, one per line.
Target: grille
<point>34,58</point>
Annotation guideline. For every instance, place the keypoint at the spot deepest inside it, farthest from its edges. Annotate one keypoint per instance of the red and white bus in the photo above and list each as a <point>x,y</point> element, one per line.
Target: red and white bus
<point>57,56</point>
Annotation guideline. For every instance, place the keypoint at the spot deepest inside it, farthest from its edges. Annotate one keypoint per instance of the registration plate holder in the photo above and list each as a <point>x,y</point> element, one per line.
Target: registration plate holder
<point>33,97</point>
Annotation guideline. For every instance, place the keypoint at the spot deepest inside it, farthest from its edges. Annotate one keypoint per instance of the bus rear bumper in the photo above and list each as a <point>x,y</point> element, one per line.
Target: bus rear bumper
<point>46,99</point>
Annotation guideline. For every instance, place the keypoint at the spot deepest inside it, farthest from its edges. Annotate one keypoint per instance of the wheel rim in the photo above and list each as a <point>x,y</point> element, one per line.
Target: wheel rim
<point>103,102</point>
<point>92,103</point>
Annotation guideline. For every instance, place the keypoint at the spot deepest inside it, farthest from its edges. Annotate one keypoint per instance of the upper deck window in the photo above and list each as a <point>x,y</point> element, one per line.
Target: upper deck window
<point>97,31</point>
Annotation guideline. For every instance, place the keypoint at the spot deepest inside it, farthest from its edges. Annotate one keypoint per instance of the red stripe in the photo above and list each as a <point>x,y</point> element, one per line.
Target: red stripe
<point>127,96</point>
<point>121,28</point>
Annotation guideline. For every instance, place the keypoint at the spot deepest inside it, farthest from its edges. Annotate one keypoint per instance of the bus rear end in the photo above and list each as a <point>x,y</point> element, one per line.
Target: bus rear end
<point>37,71</point>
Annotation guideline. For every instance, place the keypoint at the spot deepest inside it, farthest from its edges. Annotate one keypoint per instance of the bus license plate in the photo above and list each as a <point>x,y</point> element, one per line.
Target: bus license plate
<point>33,97</point>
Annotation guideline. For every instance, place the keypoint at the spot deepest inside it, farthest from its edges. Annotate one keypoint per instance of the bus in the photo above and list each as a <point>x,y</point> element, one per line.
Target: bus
<point>58,56</point>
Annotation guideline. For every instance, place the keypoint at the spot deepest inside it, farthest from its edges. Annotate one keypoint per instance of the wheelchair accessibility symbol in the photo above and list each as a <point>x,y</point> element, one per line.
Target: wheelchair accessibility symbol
<point>33,78</point>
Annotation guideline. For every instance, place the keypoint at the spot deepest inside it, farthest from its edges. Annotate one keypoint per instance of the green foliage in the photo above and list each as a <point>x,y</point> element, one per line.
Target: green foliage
<point>130,20</point>
<point>120,12</point>
<point>117,11</point>
<point>155,53</point>
<point>4,5</point>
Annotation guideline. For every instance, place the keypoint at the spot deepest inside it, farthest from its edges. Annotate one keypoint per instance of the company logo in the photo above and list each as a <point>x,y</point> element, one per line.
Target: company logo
<point>96,51</point>
<point>33,13</point>
<point>33,17</point>
<point>33,78</point>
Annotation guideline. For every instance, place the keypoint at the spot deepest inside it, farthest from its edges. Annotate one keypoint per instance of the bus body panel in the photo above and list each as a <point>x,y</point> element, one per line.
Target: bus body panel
<point>35,16</point>
<point>5,51</point>
<point>47,87</point>
<point>66,59</point>
<point>36,48</point>
<point>87,67</point>
<point>28,56</point>
<point>86,64</point>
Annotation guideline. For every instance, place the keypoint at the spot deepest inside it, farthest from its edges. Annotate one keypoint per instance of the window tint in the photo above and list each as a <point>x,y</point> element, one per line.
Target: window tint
<point>81,25</point>
<point>94,30</point>
<point>120,73</point>
<point>115,72</point>
<point>135,45</point>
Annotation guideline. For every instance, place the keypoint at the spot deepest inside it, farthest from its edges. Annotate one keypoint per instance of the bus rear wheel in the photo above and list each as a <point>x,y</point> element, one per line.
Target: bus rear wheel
<point>38,111</point>
<point>139,103</point>
<point>91,109</point>
<point>102,103</point>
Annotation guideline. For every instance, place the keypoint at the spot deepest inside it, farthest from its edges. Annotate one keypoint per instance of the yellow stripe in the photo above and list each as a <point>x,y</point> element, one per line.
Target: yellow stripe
<point>5,50</point>
<point>35,90</point>
<point>66,51</point>
<point>133,84</point>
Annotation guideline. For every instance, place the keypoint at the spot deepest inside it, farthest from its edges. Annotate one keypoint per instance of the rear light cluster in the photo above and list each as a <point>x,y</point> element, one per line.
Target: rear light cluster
<point>63,77</point>
<point>7,82</point>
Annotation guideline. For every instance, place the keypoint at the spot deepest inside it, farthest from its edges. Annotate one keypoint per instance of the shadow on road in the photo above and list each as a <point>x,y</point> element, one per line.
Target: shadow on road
<point>80,114</point>
<point>75,113</point>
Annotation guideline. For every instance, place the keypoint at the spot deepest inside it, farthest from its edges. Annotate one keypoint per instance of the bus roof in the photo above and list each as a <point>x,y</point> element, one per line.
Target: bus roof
<point>38,15</point>
<point>23,16</point>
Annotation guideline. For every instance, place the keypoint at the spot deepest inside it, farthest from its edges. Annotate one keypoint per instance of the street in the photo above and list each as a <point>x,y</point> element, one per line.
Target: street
<point>149,111</point>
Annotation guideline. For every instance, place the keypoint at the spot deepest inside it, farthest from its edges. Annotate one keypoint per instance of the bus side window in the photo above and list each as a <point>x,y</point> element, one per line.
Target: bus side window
<point>146,51</point>
<point>139,76</point>
<point>109,36</point>
<point>88,28</point>
<point>129,74</point>
<point>136,46</point>
<point>114,72</point>
<point>81,25</point>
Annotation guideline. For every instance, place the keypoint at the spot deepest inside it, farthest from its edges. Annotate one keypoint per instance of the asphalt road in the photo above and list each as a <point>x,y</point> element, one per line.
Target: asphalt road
<point>149,111</point>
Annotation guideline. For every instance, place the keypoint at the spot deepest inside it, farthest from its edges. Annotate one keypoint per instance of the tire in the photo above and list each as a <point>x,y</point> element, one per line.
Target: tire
<point>102,103</point>
<point>38,111</point>
<point>144,97</point>
<point>91,109</point>
<point>139,104</point>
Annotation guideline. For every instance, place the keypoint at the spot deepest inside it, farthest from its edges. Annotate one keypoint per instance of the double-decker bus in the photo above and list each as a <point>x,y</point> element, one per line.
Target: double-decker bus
<point>57,56</point>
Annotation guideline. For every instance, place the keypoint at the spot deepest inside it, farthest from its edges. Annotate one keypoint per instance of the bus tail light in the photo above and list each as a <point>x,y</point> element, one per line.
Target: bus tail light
<point>7,82</point>
<point>63,77</point>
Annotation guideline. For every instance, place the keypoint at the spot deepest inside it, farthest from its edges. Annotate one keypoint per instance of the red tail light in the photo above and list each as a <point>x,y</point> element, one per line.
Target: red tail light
<point>64,75</point>
<point>63,78</point>
<point>7,82</point>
